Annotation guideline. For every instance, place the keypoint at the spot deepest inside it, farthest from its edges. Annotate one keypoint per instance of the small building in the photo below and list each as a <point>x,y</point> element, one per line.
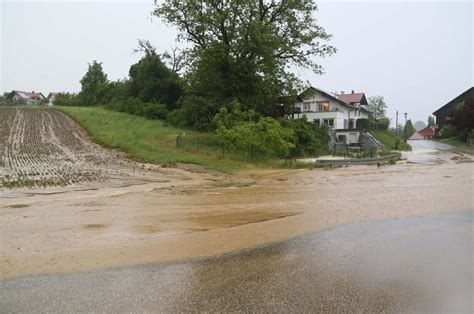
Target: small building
<point>50,98</point>
<point>427,133</point>
<point>443,114</point>
<point>338,112</point>
<point>28,98</point>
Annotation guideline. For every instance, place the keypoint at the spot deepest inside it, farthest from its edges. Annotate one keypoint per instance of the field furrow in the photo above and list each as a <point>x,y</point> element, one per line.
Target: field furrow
<point>41,147</point>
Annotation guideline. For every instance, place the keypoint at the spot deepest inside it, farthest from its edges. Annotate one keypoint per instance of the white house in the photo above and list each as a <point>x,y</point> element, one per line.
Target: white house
<point>338,112</point>
<point>28,98</point>
<point>50,98</point>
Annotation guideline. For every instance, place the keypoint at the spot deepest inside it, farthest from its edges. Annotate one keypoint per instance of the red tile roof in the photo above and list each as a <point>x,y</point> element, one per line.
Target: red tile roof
<point>428,131</point>
<point>351,98</point>
<point>416,136</point>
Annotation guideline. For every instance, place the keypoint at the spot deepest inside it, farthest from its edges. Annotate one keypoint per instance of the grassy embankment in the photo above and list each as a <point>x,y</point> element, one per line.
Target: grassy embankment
<point>150,140</point>
<point>390,140</point>
<point>454,141</point>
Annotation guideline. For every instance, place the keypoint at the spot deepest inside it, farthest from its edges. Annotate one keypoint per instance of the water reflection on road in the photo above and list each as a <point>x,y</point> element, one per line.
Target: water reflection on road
<point>419,264</point>
<point>426,152</point>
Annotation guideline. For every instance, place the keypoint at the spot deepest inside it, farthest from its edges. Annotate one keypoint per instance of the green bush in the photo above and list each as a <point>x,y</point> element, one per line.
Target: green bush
<point>447,131</point>
<point>310,139</point>
<point>383,123</point>
<point>263,139</point>
<point>135,106</point>
<point>362,124</point>
<point>67,100</point>
<point>195,112</point>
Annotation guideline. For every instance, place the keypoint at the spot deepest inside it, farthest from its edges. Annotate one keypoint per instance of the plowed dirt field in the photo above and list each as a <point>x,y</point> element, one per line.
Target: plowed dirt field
<point>40,148</point>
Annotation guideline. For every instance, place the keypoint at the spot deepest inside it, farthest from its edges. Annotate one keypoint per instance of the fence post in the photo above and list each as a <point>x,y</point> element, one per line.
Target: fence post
<point>178,140</point>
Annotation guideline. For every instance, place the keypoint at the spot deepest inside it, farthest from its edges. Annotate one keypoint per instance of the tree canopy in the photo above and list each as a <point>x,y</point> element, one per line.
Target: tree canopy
<point>151,80</point>
<point>409,129</point>
<point>431,121</point>
<point>377,106</point>
<point>93,85</point>
<point>243,49</point>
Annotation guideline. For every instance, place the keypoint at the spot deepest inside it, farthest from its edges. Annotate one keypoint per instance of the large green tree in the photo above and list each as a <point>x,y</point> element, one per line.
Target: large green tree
<point>409,129</point>
<point>94,85</point>
<point>151,80</point>
<point>243,49</point>
<point>377,107</point>
<point>431,121</point>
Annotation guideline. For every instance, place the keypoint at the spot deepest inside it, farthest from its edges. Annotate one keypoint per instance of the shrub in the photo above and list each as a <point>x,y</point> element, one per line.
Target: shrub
<point>67,100</point>
<point>362,124</point>
<point>263,139</point>
<point>194,112</point>
<point>135,106</point>
<point>310,139</point>
<point>447,130</point>
<point>383,123</point>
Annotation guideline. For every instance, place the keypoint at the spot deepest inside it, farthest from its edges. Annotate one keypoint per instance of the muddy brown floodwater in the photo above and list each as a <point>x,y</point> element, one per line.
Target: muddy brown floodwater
<point>414,265</point>
<point>178,214</point>
<point>101,215</point>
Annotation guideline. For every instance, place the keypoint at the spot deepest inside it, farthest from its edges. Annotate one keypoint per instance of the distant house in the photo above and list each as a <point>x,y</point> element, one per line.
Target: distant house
<point>50,98</point>
<point>426,134</point>
<point>338,112</point>
<point>28,98</point>
<point>443,114</point>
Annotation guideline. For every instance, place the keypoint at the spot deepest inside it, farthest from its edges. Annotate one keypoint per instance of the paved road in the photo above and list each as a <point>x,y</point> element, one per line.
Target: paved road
<point>423,264</point>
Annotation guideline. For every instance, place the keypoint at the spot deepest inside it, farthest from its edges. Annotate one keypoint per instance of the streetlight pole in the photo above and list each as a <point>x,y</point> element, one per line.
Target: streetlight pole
<point>406,114</point>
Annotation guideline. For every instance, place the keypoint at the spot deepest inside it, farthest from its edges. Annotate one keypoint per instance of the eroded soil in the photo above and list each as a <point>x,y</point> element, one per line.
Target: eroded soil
<point>45,148</point>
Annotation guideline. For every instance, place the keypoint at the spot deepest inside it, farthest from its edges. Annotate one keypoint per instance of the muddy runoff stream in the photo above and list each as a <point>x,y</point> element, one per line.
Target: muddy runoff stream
<point>421,265</point>
<point>183,214</point>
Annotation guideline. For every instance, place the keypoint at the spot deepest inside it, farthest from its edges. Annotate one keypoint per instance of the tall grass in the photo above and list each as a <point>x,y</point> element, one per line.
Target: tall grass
<point>148,140</point>
<point>390,140</point>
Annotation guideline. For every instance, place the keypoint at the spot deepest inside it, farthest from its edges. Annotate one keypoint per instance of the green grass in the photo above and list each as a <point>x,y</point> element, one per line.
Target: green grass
<point>456,143</point>
<point>148,140</point>
<point>390,140</point>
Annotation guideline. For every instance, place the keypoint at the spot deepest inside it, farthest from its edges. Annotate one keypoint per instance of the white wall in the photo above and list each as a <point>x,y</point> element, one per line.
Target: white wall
<point>337,111</point>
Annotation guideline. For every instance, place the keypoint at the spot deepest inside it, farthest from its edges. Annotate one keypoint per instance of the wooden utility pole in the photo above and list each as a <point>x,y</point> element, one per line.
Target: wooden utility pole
<point>396,124</point>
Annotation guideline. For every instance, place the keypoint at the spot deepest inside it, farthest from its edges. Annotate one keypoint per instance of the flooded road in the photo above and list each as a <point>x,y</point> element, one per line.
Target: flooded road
<point>422,264</point>
<point>194,215</point>
<point>427,152</point>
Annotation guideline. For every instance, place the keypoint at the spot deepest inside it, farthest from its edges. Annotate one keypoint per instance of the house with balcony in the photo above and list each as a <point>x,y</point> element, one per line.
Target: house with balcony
<point>338,112</point>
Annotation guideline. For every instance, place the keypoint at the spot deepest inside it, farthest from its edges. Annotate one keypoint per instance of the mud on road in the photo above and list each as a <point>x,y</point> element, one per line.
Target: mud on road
<point>132,213</point>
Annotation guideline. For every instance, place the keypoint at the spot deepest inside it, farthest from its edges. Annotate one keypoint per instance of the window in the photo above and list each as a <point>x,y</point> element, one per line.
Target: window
<point>323,106</point>
<point>317,122</point>
<point>306,106</point>
<point>329,123</point>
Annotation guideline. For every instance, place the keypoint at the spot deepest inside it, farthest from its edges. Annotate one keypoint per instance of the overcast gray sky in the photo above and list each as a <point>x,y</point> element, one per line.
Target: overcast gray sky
<point>417,54</point>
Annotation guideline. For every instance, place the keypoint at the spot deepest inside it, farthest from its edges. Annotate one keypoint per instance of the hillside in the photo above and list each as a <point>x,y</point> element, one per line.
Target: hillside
<point>390,140</point>
<point>149,140</point>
